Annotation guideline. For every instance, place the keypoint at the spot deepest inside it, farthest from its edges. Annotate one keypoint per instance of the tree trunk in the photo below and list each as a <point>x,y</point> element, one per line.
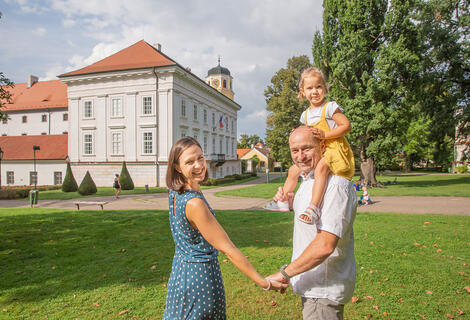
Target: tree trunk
<point>367,170</point>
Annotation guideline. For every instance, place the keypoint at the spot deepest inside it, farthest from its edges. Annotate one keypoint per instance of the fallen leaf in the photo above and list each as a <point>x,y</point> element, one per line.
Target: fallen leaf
<point>104,275</point>
<point>460,312</point>
<point>386,279</point>
<point>53,267</point>
<point>427,222</point>
<point>225,260</point>
<point>153,267</point>
<point>354,299</point>
<point>5,310</point>
<point>123,250</point>
<point>462,274</point>
<point>384,313</point>
<point>123,312</point>
<point>417,244</point>
<point>400,300</point>
<point>382,294</point>
<point>372,242</point>
<point>421,315</point>
<point>96,304</point>
<point>429,292</point>
<point>435,245</point>
<point>368,297</point>
<point>74,296</point>
<point>467,289</point>
<point>439,250</point>
<point>424,246</point>
<point>448,315</point>
<point>273,303</point>
<point>376,307</point>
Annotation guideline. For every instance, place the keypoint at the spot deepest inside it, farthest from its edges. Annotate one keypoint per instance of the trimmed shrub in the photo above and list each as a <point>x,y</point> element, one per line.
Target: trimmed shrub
<point>461,169</point>
<point>125,178</point>
<point>69,184</point>
<point>8,194</point>
<point>87,186</point>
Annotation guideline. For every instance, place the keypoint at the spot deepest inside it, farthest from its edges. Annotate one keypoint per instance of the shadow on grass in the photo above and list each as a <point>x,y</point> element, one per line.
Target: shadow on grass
<point>47,254</point>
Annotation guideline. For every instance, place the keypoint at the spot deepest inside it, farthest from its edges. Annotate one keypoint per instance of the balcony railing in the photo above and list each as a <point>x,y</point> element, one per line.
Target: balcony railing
<point>218,158</point>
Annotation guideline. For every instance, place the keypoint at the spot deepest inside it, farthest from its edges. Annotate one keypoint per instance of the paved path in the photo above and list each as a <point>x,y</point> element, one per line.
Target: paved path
<point>442,205</point>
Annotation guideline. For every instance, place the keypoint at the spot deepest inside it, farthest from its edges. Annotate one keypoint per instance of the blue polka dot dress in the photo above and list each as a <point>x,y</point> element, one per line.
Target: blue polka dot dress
<point>195,289</point>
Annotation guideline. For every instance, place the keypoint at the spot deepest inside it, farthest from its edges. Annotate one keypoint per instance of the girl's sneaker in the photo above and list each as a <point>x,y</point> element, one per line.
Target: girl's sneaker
<point>282,206</point>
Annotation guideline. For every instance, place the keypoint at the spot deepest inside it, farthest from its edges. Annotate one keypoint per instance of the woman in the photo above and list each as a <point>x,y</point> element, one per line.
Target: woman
<point>195,288</point>
<point>117,186</point>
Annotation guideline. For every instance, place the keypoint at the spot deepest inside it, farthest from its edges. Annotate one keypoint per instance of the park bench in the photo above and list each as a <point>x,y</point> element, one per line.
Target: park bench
<point>99,203</point>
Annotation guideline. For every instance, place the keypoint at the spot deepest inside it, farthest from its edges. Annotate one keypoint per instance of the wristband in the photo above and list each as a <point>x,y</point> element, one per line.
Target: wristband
<point>269,285</point>
<point>284,273</point>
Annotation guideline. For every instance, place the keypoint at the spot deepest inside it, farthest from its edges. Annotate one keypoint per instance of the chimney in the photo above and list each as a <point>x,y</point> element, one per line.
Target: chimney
<point>32,80</point>
<point>158,46</point>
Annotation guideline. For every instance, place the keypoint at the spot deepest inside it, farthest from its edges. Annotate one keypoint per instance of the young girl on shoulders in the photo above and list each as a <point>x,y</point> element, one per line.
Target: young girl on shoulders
<point>328,123</point>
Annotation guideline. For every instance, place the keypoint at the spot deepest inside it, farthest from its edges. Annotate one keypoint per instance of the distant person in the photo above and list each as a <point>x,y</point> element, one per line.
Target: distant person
<point>323,269</point>
<point>117,186</point>
<point>195,289</point>
<point>365,198</point>
<point>329,124</point>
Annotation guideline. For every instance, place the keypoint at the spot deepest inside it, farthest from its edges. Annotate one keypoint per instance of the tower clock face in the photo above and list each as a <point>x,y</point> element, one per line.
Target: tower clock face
<point>215,83</point>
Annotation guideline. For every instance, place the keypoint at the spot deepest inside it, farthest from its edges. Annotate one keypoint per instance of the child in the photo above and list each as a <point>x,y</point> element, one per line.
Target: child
<point>365,199</point>
<point>329,124</point>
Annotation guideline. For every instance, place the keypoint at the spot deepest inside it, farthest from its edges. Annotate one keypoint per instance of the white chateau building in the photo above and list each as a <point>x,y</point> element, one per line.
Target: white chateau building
<point>131,106</point>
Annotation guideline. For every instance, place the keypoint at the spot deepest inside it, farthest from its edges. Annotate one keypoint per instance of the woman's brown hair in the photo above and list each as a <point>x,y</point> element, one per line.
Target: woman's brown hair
<point>174,179</point>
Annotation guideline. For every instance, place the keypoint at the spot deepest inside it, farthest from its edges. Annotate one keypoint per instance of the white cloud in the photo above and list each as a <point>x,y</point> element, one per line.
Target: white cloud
<point>68,23</point>
<point>39,31</point>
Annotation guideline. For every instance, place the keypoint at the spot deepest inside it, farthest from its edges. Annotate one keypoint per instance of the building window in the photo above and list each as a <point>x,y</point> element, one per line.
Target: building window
<point>230,84</point>
<point>147,146</point>
<point>64,132</point>
<point>196,135</point>
<point>65,117</point>
<point>224,83</point>
<point>10,177</point>
<point>116,107</point>
<point>195,112</point>
<point>57,177</point>
<point>44,118</point>
<point>232,125</point>
<point>183,108</point>
<point>226,146</point>
<point>4,134</point>
<point>183,133</point>
<point>205,116</point>
<point>213,119</point>
<point>24,119</point>
<point>43,133</point>
<point>147,105</point>
<point>213,145</point>
<point>88,144</point>
<point>226,124</point>
<point>87,110</point>
<point>220,145</point>
<point>33,178</point>
<point>24,134</point>
<point>205,145</point>
<point>233,148</point>
<point>116,143</point>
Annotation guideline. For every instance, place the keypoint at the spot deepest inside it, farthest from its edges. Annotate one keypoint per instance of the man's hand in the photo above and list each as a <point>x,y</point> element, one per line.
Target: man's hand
<point>278,277</point>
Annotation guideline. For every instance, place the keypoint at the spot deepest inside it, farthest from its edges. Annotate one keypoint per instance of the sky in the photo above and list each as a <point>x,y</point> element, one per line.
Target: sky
<point>253,38</point>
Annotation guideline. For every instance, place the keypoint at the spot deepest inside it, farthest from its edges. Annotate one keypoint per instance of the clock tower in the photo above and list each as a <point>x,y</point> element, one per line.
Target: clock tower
<point>220,79</point>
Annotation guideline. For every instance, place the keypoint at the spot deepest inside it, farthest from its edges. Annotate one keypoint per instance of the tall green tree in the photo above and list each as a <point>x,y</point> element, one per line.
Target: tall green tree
<point>284,107</point>
<point>247,140</point>
<point>5,95</point>
<point>370,52</point>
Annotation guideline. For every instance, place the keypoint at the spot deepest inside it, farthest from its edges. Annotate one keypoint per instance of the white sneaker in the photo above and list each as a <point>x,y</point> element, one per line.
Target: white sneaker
<point>282,206</point>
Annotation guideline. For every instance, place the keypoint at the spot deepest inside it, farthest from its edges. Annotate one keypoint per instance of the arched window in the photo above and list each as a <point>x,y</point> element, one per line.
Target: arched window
<point>225,83</point>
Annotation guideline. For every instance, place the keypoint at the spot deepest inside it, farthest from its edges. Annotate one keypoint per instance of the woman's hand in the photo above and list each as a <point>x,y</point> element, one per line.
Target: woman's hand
<point>276,285</point>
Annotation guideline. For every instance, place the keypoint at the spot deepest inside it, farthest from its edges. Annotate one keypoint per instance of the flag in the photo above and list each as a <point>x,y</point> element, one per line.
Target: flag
<point>221,123</point>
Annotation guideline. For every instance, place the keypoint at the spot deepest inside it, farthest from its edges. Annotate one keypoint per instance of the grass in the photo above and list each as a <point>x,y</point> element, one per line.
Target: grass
<point>109,191</point>
<point>66,264</point>
<point>408,185</point>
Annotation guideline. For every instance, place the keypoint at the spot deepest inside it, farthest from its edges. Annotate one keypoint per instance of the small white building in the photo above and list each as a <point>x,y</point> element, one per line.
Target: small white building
<point>132,106</point>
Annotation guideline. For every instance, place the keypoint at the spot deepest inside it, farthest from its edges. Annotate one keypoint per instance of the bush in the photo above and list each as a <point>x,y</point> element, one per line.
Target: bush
<point>461,169</point>
<point>69,184</point>
<point>210,182</point>
<point>125,178</point>
<point>17,193</point>
<point>87,186</point>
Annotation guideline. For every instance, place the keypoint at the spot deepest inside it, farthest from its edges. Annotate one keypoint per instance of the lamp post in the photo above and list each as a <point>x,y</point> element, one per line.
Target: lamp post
<point>1,157</point>
<point>35,172</point>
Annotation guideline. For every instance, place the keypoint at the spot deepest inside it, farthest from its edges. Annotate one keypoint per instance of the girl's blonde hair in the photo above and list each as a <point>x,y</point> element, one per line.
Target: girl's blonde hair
<point>312,71</point>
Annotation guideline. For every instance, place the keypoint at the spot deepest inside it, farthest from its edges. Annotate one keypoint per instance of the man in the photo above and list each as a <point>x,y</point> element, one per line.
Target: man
<point>323,269</point>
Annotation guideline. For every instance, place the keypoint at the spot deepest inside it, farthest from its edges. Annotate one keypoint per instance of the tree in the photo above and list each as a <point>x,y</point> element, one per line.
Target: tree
<point>284,107</point>
<point>370,53</point>
<point>125,178</point>
<point>87,186</point>
<point>5,95</point>
<point>69,184</point>
<point>246,141</point>
<point>254,162</point>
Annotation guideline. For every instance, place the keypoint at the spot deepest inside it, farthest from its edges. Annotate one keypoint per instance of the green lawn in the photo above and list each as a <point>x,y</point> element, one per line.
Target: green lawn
<point>67,264</point>
<point>407,185</point>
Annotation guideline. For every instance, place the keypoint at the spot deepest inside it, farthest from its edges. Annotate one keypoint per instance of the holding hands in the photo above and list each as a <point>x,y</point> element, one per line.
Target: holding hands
<point>275,285</point>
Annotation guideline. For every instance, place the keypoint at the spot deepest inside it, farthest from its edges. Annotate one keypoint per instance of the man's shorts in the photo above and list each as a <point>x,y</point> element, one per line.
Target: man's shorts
<point>321,309</point>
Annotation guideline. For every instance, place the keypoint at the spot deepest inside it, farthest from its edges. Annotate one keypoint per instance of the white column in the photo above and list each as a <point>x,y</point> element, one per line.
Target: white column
<point>166,127</point>
<point>101,147</point>
<point>130,133</point>
<point>74,138</point>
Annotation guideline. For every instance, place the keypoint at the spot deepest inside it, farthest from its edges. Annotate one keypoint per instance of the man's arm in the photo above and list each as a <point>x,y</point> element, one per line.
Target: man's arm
<point>317,251</point>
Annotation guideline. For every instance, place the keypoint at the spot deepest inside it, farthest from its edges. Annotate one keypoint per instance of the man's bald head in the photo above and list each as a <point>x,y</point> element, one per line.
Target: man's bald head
<point>305,149</point>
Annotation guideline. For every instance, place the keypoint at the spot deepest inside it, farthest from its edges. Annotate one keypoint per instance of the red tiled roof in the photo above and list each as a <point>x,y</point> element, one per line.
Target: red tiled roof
<point>137,56</point>
<point>41,95</point>
<point>242,152</point>
<point>21,147</point>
